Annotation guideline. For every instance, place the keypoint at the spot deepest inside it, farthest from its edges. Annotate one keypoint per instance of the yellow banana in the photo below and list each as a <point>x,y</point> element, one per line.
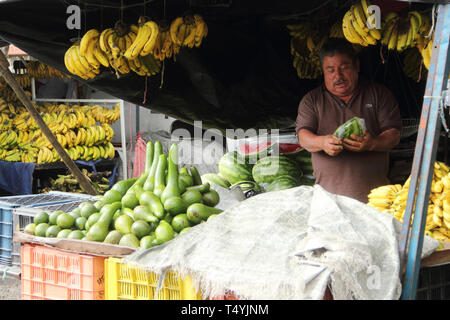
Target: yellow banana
<point>103,40</point>
<point>150,43</point>
<point>201,30</point>
<point>141,39</point>
<point>402,40</point>
<point>100,56</point>
<point>364,5</point>
<point>89,55</point>
<point>360,17</point>
<point>112,38</point>
<point>392,44</point>
<point>88,37</point>
<point>355,37</point>
<point>174,28</point>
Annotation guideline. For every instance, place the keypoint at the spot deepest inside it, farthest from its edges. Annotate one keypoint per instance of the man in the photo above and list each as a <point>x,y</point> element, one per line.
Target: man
<point>349,167</point>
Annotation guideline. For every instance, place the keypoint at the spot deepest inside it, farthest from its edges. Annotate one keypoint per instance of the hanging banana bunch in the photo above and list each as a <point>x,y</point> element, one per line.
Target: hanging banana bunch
<point>114,42</point>
<point>354,25</point>
<point>412,64</point>
<point>144,41</point>
<point>78,64</point>
<point>164,47</point>
<point>300,30</point>
<point>402,32</point>
<point>24,80</point>
<point>305,56</point>
<point>188,30</point>
<point>336,30</point>
<point>39,70</point>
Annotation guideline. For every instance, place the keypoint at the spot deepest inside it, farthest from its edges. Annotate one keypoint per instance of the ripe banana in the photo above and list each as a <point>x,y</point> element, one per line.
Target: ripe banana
<point>88,37</point>
<point>150,43</point>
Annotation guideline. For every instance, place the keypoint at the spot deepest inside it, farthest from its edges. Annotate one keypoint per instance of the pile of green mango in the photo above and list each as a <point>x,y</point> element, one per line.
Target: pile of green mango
<point>146,211</point>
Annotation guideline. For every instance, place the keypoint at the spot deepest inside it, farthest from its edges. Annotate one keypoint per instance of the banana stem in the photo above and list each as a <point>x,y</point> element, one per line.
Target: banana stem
<point>4,70</point>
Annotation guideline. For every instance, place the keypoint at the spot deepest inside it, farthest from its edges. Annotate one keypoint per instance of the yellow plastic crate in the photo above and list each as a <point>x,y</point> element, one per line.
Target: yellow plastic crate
<point>129,282</point>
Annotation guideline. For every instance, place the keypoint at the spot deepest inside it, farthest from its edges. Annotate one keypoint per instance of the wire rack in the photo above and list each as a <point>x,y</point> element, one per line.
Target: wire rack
<point>409,127</point>
<point>39,199</point>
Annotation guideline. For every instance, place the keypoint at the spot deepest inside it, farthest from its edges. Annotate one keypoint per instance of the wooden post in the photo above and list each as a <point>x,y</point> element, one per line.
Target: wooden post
<point>81,178</point>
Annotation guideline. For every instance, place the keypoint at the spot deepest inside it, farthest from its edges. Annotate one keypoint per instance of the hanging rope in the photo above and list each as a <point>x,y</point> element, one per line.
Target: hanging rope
<point>121,10</point>
<point>441,107</point>
<point>101,17</point>
<point>163,62</point>
<point>145,90</point>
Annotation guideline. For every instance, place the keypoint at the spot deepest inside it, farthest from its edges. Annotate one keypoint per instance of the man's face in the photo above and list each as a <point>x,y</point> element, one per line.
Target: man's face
<point>340,74</point>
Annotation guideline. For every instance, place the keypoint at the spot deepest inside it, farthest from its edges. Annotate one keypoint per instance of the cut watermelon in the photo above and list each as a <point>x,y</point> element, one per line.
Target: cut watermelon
<point>255,149</point>
<point>290,148</point>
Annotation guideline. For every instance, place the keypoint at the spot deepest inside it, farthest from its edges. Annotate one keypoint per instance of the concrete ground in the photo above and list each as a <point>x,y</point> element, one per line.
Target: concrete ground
<point>10,289</point>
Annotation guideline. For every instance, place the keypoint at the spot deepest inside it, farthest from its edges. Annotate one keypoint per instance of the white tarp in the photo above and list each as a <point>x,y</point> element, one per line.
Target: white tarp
<point>289,244</point>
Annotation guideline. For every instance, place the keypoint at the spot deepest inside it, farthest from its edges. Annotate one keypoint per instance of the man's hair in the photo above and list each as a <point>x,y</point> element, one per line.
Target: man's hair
<point>337,46</point>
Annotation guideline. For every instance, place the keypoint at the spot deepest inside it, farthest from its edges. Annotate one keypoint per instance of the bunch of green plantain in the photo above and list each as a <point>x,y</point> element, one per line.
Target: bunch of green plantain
<point>68,183</point>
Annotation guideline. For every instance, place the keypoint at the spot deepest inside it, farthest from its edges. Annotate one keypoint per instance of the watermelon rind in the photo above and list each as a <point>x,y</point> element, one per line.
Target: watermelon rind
<point>234,168</point>
<point>267,169</point>
<point>282,183</point>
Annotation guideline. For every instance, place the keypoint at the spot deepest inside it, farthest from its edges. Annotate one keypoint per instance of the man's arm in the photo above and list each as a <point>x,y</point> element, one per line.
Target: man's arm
<point>385,141</point>
<point>330,144</point>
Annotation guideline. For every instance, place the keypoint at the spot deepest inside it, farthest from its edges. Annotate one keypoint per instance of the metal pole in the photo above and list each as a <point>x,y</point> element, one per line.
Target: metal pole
<point>425,155</point>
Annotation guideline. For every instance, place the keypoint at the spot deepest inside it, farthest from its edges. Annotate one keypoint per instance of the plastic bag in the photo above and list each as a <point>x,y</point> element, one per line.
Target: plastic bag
<point>355,126</point>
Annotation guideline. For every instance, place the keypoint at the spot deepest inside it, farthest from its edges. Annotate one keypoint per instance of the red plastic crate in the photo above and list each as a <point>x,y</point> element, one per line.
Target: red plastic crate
<point>52,274</point>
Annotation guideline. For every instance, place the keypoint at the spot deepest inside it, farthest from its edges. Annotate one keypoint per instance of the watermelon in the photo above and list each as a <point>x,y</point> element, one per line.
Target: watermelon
<point>267,169</point>
<point>307,169</point>
<point>282,182</point>
<point>307,180</point>
<point>289,148</point>
<point>215,179</point>
<point>234,168</point>
<point>255,149</point>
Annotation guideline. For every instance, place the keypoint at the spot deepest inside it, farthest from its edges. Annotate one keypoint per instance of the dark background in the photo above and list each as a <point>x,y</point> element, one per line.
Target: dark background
<point>240,77</point>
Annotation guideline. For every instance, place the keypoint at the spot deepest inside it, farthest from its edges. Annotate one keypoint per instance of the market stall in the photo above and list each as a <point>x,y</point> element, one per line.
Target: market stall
<point>257,227</point>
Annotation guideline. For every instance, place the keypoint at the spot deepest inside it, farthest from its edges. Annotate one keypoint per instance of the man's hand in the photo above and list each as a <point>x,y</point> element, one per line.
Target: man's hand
<point>331,145</point>
<point>359,144</point>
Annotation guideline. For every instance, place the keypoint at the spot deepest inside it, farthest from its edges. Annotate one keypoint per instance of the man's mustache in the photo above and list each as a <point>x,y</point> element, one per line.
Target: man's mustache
<point>339,81</point>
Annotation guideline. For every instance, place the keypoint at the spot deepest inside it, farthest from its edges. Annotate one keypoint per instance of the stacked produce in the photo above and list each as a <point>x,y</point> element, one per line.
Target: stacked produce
<point>75,127</point>
<point>402,32</point>
<point>7,95</point>
<point>392,199</point>
<point>68,183</point>
<point>138,48</point>
<point>162,203</point>
<point>355,27</point>
<point>258,168</point>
